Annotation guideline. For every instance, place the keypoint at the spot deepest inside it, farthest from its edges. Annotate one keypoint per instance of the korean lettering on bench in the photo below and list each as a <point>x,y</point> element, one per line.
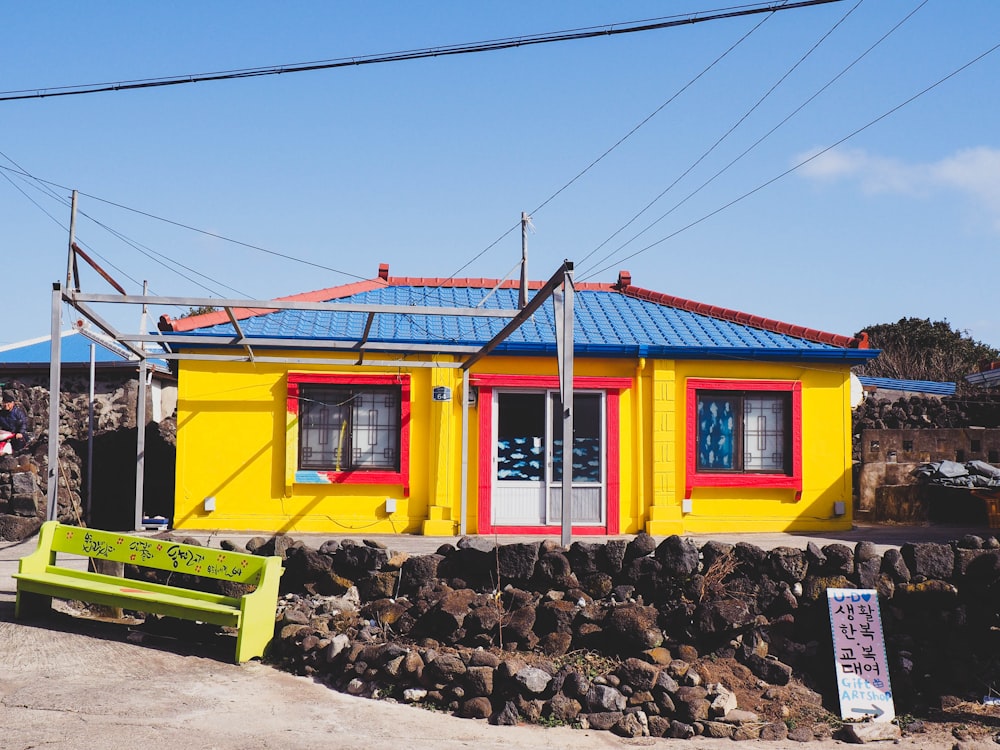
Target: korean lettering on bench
<point>141,548</point>
<point>96,547</point>
<point>198,563</point>
<point>220,568</point>
<point>186,557</point>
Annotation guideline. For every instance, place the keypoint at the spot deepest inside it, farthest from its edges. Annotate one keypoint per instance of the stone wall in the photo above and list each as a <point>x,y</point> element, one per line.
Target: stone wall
<point>24,475</point>
<point>892,438</point>
<point>641,638</point>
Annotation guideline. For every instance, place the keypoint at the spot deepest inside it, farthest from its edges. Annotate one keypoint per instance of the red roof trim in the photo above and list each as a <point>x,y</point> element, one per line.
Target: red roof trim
<point>320,295</point>
<point>735,316</point>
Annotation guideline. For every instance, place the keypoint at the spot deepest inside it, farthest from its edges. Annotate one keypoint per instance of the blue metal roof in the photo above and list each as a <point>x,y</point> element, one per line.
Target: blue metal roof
<point>909,386</point>
<point>74,350</point>
<point>607,324</point>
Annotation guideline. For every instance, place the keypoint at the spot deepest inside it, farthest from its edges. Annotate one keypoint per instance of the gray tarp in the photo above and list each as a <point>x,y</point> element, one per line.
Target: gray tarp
<point>953,474</point>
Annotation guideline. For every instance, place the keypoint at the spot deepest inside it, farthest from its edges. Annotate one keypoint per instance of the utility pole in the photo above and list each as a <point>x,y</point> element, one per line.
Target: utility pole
<point>522,299</point>
<point>71,269</point>
<point>55,370</point>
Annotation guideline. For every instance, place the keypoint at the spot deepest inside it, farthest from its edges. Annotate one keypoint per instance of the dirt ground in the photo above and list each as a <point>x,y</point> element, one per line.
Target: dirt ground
<point>69,683</point>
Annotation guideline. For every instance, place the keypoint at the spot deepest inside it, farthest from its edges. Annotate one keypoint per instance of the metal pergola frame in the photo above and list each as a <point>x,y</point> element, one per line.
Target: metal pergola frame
<point>559,287</point>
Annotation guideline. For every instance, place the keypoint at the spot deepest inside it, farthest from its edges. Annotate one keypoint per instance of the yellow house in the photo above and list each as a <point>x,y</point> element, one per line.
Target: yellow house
<point>687,417</point>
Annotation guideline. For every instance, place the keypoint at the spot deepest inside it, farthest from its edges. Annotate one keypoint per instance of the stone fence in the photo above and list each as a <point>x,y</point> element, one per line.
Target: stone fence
<point>641,638</point>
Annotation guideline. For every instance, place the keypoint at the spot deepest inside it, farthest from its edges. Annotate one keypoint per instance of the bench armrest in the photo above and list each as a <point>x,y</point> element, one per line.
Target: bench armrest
<point>258,611</point>
<point>43,555</point>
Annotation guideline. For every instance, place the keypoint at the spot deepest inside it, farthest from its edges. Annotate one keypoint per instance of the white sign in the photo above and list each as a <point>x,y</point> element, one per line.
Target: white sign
<point>859,655</point>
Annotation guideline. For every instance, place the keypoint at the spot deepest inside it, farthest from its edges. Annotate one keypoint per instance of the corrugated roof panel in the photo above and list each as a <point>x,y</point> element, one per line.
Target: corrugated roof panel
<point>74,348</point>
<point>909,386</point>
<point>605,321</point>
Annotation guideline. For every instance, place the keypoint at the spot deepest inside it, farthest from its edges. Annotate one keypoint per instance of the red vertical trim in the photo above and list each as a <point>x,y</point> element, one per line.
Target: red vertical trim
<point>404,434</point>
<point>613,452</point>
<point>485,505</point>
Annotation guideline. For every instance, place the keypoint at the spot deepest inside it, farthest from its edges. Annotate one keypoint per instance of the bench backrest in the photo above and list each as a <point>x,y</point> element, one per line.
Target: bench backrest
<point>153,553</point>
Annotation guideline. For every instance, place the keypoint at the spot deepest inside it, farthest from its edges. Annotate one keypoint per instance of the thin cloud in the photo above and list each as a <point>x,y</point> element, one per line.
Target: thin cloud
<point>974,172</point>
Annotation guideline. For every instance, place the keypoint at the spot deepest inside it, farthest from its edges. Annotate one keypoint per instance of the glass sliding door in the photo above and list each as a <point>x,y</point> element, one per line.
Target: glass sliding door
<point>527,455</point>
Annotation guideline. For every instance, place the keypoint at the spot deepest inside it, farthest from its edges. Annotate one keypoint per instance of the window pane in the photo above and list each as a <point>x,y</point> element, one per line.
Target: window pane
<point>764,433</point>
<point>520,437</point>
<point>586,437</point>
<point>717,431</point>
<point>324,421</point>
<point>375,437</point>
<point>345,429</point>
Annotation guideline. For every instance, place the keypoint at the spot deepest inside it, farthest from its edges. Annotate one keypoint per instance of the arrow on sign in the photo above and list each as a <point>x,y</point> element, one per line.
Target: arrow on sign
<point>876,711</point>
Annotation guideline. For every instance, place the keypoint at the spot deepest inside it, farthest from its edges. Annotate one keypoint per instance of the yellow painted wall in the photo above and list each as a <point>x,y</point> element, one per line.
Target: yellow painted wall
<point>231,445</point>
<point>826,455</point>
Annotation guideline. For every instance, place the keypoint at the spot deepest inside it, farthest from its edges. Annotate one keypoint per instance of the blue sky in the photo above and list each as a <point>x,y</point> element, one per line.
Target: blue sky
<point>424,164</point>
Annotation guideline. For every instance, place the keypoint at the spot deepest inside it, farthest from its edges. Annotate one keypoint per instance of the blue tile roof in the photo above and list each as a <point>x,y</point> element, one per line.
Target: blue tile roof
<point>607,323</point>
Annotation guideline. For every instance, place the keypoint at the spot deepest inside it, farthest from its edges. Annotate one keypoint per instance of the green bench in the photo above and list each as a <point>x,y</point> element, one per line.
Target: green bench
<point>40,577</point>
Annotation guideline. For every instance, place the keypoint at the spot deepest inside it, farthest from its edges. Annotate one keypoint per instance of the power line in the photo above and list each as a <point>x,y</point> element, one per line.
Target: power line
<point>181,225</point>
<point>751,147</point>
<point>618,143</point>
<point>712,148</point>
<point>802,163</point>
<point>414,54</point>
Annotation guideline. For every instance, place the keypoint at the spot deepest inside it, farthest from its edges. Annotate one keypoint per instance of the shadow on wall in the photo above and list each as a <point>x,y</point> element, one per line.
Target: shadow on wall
<point>112,505</point>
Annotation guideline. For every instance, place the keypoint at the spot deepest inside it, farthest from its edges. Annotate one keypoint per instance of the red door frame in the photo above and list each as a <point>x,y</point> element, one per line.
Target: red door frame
<point>612,388</point>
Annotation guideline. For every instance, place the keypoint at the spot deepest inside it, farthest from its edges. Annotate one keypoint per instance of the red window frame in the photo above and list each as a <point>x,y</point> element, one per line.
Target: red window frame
<point>357,476</point>
<point>696,478</point>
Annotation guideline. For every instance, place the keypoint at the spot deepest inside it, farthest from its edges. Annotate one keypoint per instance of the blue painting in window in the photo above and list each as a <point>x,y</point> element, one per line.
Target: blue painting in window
<point>521,459</point>
<point>586,459</point>
<point>716,432</point>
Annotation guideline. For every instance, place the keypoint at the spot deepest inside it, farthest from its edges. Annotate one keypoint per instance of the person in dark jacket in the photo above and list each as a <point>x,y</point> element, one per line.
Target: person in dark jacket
<point>13,419</point>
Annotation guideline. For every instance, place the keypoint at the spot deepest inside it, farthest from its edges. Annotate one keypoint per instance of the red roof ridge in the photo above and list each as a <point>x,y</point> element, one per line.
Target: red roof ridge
<point>483,283</point>
<point>754,321</point>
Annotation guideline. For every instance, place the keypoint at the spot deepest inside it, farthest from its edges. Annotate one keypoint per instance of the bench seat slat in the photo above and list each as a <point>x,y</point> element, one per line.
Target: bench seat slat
<point>85,576</point>
<point>122,593</point>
